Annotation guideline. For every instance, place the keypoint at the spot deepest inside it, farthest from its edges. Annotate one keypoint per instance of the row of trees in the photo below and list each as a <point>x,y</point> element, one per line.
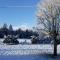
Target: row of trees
<point>20,33</point>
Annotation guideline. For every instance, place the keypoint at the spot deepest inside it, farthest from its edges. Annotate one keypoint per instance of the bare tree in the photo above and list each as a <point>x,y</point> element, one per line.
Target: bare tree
<point>48,15</point>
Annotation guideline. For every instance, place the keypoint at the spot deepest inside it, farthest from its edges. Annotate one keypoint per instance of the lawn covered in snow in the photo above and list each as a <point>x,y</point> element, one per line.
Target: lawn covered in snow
<point>26,49</point>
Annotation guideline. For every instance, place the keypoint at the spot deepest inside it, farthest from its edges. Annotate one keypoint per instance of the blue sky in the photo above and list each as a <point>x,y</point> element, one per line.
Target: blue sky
<point>18,12</point>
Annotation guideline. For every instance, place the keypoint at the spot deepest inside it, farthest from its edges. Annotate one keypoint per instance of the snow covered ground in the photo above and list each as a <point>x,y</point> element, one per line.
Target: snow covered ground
<point>24,49</point>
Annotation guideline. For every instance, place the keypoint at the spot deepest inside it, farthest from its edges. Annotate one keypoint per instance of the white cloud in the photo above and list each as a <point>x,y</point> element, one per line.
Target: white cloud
<point>16,27</point>
<point>23,27</point>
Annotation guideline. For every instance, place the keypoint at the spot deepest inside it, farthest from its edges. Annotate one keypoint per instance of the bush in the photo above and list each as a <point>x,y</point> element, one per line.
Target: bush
<point>35,40</point>
<point>11,40</point>
<point>1,35</point>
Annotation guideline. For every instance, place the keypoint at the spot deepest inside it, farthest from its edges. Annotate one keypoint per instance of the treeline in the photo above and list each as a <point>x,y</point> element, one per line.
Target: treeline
<point>5,31</point>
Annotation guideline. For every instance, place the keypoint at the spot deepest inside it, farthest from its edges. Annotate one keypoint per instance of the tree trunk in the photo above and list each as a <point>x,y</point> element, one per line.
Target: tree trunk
<point>55,48</point>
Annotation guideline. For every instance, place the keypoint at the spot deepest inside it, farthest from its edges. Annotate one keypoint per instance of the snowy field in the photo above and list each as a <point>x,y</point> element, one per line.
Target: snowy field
<point>26,49</point>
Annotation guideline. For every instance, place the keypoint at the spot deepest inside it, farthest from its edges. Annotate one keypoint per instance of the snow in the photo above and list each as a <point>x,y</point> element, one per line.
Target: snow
<point>26,49</point>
